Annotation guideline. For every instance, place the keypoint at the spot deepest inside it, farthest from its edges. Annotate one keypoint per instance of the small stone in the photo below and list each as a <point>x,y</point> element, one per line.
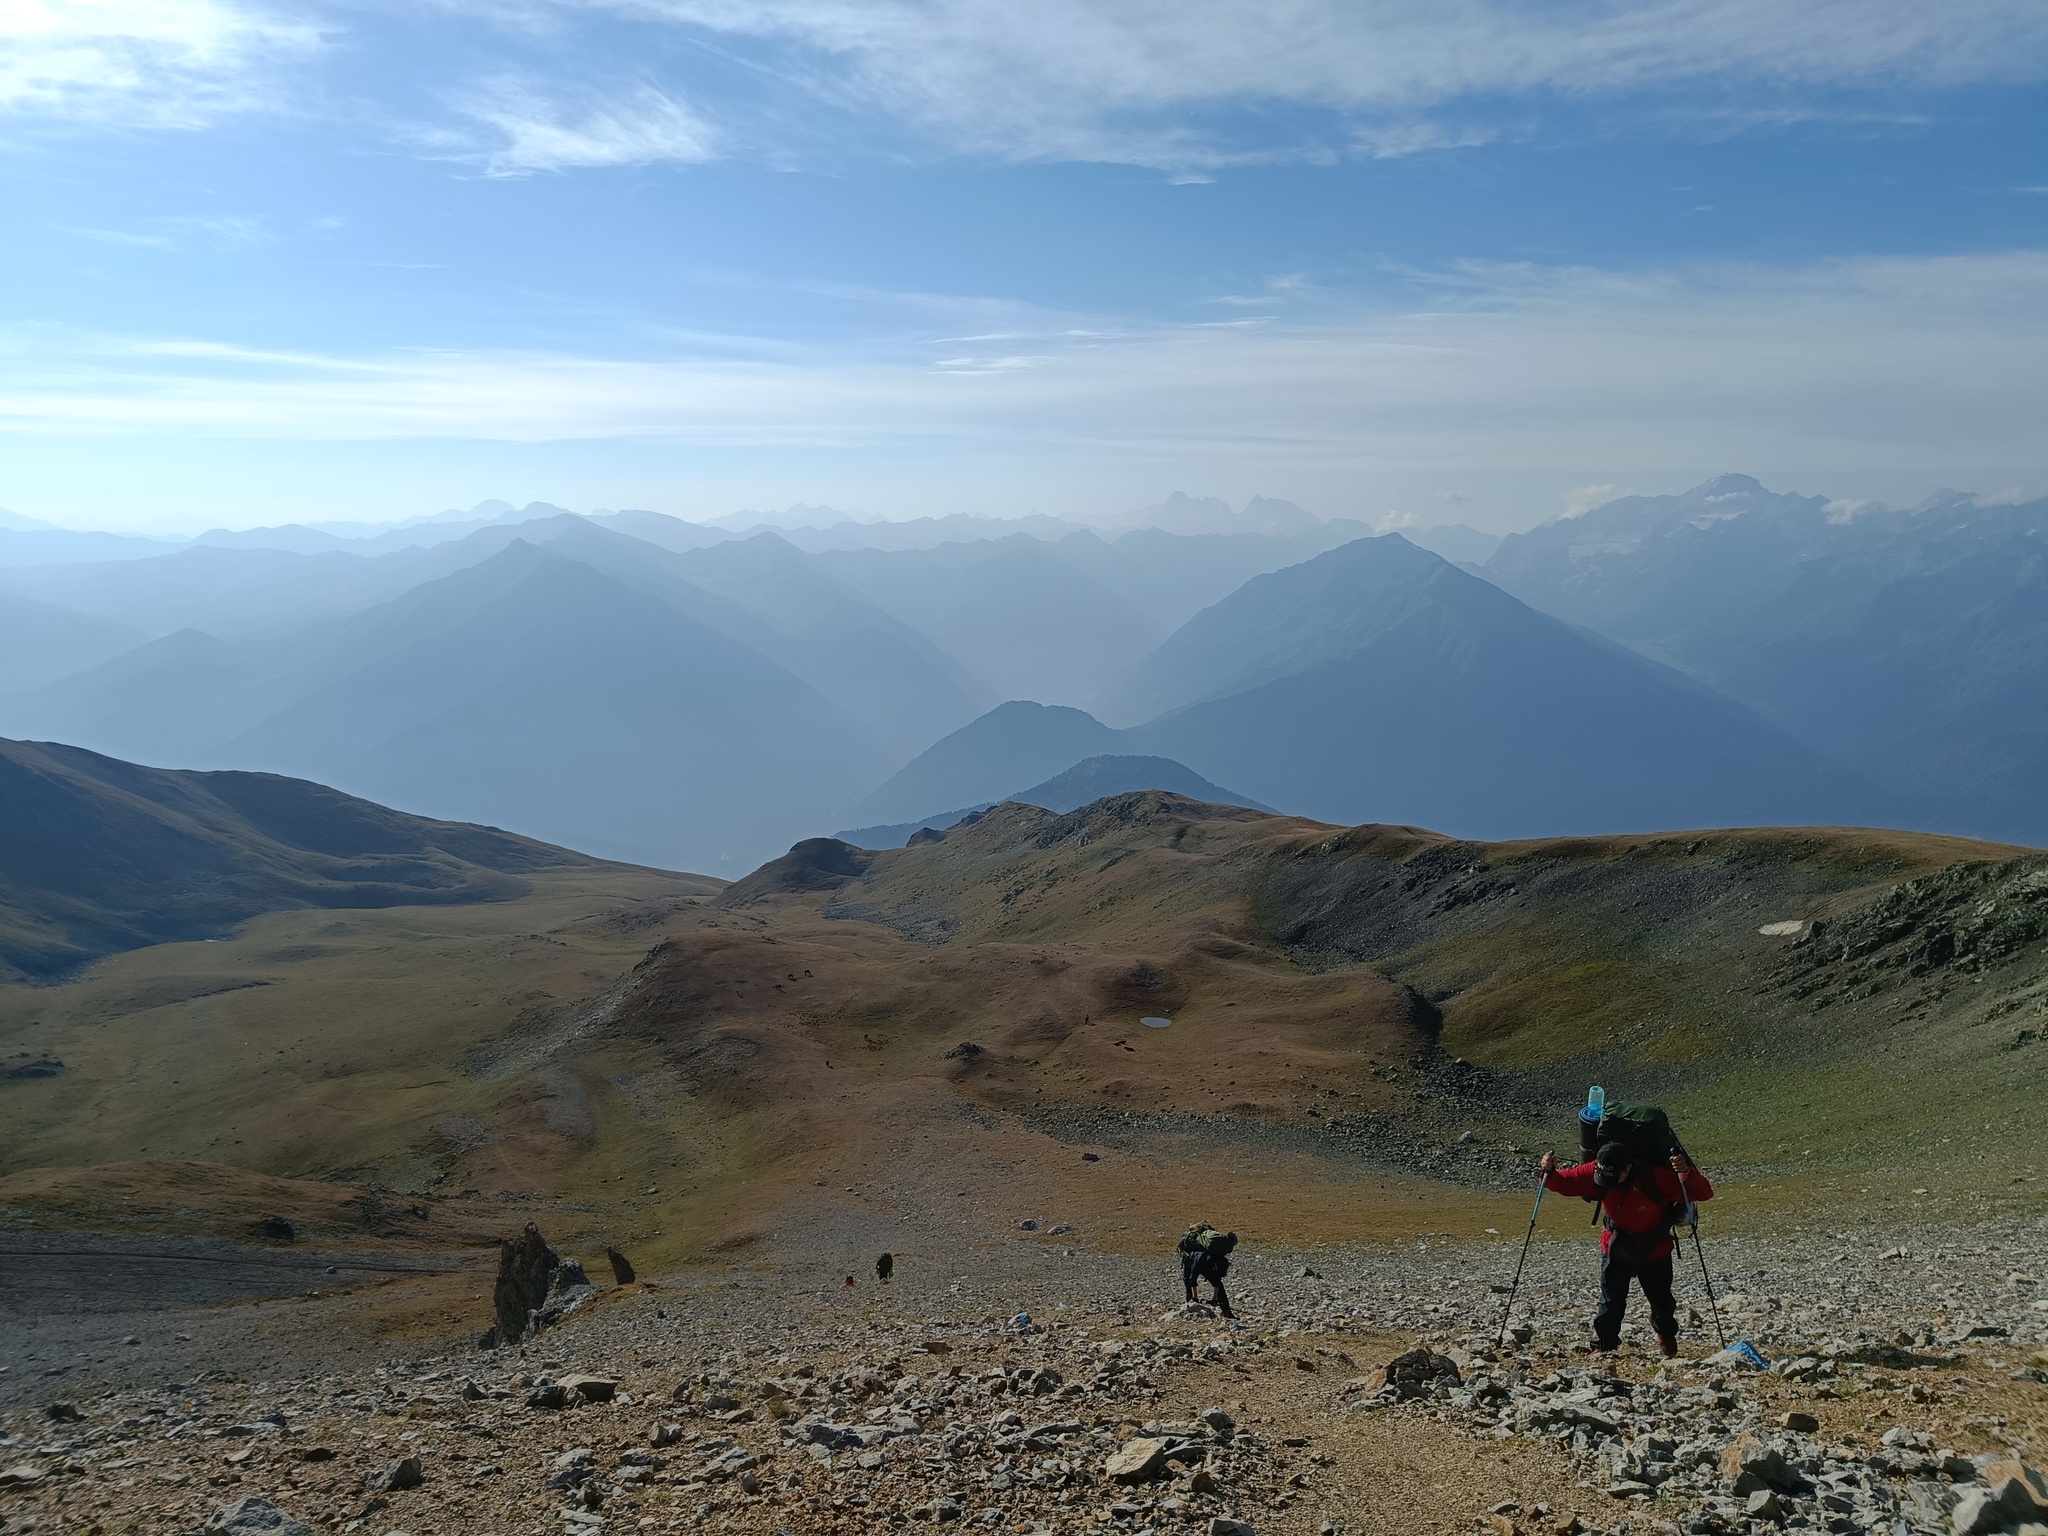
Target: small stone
<point>1764,1505</point>
<point>21,1475</point>
<point>590,1389</point>
<point>1224,1526</point>
<point>1218,1419</point>
<point>401,1475</point>
<point>254,1517</point>
<point>664,1434</point>
<point>1135,1461</point>
<point>63,1413</point>
<point>1799,1423</point>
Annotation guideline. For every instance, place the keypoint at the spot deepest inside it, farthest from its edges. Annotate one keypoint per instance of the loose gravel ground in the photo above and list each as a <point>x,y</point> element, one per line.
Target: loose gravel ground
<point>1003,1386</point>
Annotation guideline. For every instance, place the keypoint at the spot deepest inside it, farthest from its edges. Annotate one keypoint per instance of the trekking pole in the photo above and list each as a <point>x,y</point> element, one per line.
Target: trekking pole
<point>1693,1211</point>
<point>1502,1339</point>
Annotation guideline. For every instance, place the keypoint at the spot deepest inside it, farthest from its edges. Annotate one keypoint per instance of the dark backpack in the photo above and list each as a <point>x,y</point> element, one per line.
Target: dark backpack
<point>1203,1238</point>
<point>1644,1129</point>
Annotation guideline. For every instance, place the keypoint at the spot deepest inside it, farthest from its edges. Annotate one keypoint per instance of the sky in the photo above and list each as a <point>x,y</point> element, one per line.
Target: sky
<point>1431,260</point>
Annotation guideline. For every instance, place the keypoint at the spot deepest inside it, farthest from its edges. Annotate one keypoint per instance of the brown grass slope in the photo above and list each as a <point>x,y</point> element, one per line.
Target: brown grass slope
<point>849,1038</point>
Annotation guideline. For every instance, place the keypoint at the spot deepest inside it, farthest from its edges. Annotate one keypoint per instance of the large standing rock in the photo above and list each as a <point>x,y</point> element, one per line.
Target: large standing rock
<point>622,1267</point>
<point>526,1272</point>
<point>254,1517</point>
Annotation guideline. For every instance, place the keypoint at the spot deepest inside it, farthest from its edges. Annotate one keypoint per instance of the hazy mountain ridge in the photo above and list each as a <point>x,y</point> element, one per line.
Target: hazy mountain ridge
<point>99,855</point>
<point>1913,642</point>
<point>1346,677</point>
<point>1380,681</point>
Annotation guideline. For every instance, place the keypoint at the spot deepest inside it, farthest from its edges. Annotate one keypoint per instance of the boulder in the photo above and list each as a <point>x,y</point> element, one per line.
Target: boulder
<point>622,1267</point>
<point>253,1517</point>
<point>401,1475</point>
<point>1415,1374</point>
<point>590,1389</point>
<point>1750,1463</point>
<point>526,1272</point>
<point>1223,1525</point>
<point>1764,1505</point>
<point>2000,1505</point>
<point>1135,1461</point>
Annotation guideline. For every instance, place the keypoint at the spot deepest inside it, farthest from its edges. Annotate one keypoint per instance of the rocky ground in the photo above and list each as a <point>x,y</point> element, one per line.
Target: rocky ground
<point>1031,1386</point>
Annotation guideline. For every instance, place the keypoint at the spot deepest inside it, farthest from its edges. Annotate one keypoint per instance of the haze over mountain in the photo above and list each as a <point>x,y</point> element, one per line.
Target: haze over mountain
<point>702,697</point>
<point>1379,675</point>
<point>1911,643</point>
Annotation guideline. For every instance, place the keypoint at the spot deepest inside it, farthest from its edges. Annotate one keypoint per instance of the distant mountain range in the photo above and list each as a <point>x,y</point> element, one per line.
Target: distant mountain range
<point>1913,644</point>
<point>1380,682</point>
<point>98,856</point>
<point>697,697</point>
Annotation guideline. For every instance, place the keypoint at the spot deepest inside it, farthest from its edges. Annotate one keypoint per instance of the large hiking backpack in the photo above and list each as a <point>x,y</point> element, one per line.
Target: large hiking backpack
<point>1643,1128</point>
<point>1203,1238</point>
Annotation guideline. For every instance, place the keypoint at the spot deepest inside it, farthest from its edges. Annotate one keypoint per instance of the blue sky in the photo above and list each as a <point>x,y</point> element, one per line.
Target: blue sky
<point>1457,260</point>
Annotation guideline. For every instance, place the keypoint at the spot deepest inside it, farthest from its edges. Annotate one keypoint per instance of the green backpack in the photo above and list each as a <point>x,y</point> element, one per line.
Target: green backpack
<point>1644,1129</point>
<point>1204,1238</point>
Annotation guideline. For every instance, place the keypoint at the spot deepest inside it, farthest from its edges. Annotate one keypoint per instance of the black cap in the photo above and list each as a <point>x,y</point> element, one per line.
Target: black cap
<point>1613,1159</point>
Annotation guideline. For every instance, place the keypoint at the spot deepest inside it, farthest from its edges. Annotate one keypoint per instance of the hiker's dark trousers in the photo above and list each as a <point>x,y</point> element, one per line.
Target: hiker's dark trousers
<point>1654,1275</point>
<point>1201,1266</point>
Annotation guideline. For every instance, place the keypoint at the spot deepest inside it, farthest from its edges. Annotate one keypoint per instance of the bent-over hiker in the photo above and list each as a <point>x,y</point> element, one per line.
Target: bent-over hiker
<point>1205,1255</point>
<point>1639,1208</point>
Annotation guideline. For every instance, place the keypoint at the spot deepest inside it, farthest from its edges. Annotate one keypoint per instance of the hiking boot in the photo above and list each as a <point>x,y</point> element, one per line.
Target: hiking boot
<point>1597,1348</point>
<point>1667,1345</point>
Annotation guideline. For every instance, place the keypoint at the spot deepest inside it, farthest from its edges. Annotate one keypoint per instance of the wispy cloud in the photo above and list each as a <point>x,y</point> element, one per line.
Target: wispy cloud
<point>220,232</point>
<point>523,127</point>
<point>1117,79</point>
<point>150,63</point>
<point>1919,365</point>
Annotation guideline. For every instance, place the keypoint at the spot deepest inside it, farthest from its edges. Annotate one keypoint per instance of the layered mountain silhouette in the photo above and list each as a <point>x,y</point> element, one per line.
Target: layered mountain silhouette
<point>41,642</point>
<point>1912,643</point>
<point>531,690</point>
<point>658,690</point>
<point>1380,682</point>
<point>1091,779</point>
<point>98,855</point>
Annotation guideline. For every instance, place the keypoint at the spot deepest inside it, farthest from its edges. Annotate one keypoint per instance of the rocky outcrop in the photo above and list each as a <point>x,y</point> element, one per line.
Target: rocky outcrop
<point>527,1268</point>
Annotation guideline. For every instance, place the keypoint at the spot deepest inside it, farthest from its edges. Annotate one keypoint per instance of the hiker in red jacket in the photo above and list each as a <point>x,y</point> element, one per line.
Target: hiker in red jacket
<point>1639,1208</point>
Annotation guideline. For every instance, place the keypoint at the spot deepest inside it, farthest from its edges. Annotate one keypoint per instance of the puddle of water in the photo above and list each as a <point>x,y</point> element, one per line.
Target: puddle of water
<point>1156,1023</point>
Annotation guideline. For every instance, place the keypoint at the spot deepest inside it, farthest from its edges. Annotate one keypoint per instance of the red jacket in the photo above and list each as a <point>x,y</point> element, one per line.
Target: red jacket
<point>1628,1207</point>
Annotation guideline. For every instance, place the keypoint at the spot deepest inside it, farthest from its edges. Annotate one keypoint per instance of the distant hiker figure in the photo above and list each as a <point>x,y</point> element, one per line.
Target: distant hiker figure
<point>849,1282</point>
<point>885,1268</point>
<point>1640,1203</point>
<point>1205,1255</point>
